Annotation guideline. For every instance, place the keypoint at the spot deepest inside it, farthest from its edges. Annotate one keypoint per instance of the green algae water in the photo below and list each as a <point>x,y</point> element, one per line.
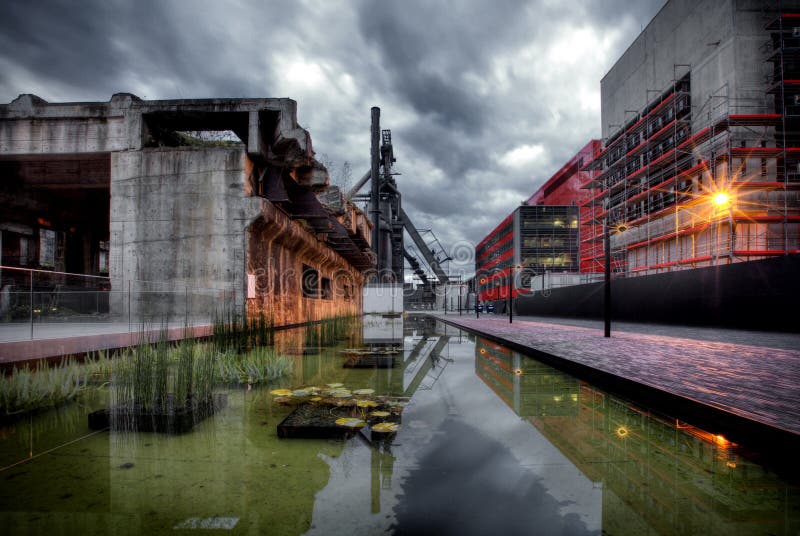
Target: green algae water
<point>491,442</point>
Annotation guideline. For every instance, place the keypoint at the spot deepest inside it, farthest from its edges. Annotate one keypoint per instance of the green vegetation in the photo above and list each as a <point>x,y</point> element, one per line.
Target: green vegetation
<point>27,389</point>
<point>152,376</point>
<point>159,377</point>
<point>231,331</point>
<point>259,365</point>
<point>329,331</point>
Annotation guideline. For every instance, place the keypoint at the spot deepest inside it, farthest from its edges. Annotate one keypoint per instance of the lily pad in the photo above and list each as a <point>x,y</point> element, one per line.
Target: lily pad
<point>281,392</point>
<point>363,391</point>
<point>380,413</point>
<point>366,404</point>
<point>386,427</point>
<point>300,392</point>
<point>341,394</point>
<point>335,385</point>
<point>350,422</point>
<point>316,398</point>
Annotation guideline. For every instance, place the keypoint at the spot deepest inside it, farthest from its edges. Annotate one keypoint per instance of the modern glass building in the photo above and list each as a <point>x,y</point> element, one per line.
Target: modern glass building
<point>531,240</point>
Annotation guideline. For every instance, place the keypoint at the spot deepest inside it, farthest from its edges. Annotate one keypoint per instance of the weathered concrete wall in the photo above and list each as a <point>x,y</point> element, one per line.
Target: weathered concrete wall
<point>277,250</point>
<point>178,217</point>
<point>30,125</point>
<point>188,231</point>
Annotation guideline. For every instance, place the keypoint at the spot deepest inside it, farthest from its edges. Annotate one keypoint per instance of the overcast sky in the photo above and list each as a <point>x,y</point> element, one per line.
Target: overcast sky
<point>486,99</point>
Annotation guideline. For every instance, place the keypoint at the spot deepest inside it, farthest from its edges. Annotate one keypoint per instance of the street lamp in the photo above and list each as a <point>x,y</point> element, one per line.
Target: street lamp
<point>510,289</point>
<point>607,280</point>
<point>481,281</point>
<point>721,199</point>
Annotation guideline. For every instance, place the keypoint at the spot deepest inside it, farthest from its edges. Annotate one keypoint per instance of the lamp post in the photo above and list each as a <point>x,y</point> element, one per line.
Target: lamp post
<point>510,290</point>
<point>460,291</point>
<point>481,281</point>
<point>607,280</point>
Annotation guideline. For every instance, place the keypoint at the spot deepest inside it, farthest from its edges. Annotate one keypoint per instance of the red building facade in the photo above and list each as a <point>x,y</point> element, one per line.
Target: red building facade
<point>542,235</point>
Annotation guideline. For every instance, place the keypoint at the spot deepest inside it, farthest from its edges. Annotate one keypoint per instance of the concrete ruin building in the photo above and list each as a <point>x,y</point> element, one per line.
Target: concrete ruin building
<point>181,200</point>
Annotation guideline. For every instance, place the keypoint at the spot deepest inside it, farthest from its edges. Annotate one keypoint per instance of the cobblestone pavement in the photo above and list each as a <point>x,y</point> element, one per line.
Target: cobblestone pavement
<point>750,380</point>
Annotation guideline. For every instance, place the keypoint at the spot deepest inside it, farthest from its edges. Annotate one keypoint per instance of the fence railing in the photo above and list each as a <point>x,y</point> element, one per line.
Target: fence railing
<point>46,304</point>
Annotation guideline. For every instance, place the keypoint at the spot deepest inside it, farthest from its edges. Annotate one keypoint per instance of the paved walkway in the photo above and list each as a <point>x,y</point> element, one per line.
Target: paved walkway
<point>758,381</point>
<point>66,338</point>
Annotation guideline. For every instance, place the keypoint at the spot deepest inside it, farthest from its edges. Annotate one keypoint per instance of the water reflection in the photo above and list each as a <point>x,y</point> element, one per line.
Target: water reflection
<point>491,442</point>
<point>658,475</point>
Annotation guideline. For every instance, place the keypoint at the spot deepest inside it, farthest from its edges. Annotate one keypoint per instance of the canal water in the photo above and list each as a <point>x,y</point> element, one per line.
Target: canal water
<point>491,442</point>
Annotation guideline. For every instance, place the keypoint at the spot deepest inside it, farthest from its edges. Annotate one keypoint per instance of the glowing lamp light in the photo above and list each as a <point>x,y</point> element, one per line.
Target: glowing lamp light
<point>721,199</point>
<point>483,351</point>
<point>622,431</point>
<point>518,372</point>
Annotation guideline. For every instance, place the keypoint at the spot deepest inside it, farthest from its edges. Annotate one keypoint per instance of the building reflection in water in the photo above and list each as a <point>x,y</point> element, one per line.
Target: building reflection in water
<point>657,475</point>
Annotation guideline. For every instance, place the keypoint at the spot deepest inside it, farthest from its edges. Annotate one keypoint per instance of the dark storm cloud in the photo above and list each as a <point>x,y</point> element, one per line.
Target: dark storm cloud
<point>107,45</point>
<point>485,99</point>
<point>427,48</point>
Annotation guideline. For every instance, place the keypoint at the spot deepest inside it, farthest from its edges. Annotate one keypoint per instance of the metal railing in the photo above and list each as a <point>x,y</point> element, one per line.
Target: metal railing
<point>46,304</point>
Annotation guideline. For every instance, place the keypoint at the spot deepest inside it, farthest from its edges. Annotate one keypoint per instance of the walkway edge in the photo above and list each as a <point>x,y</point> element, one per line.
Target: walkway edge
<point>736,428</point>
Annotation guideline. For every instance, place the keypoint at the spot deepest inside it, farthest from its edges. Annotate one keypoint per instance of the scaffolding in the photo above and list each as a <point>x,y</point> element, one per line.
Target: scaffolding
<point>681,185</point>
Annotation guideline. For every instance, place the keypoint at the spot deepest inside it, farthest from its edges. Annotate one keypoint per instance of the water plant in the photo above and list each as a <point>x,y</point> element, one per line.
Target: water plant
<point>328,331</point>
<point>232,331</point>
<point>27,389</point>
<point>145,381</point>
<point>255,366</point>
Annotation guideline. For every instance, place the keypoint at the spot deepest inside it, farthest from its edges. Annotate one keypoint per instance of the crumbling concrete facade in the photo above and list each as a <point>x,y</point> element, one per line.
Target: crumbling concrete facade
<point>191,215</point>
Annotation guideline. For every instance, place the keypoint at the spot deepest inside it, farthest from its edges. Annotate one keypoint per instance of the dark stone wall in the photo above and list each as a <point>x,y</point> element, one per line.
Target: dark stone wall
<point>751,295</point>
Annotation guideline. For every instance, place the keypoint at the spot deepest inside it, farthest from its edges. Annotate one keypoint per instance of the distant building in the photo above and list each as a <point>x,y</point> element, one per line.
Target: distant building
<point>532,240</point>
<point>567,187</point>
<point>540,236</point>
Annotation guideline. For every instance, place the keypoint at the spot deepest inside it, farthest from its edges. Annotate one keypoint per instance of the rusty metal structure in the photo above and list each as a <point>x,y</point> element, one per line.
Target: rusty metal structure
<point>389,220</point>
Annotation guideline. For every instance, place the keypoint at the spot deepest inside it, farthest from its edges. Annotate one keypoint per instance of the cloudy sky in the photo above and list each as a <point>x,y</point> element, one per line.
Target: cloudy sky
<point>486,99</point>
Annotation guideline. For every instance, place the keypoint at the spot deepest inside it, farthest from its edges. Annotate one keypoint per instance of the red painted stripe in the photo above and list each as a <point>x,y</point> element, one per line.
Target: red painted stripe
<point>662,238</point>
<point>505,240</point>
<point>696,259</point>
<point>495,231</point>
<point>504,256</point>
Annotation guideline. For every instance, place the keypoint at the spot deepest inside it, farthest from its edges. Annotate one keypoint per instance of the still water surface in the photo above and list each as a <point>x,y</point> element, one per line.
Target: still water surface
<point>491,442</point>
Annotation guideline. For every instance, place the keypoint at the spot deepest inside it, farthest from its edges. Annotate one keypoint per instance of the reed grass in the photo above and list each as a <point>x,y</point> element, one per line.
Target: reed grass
<point>158,378</point>
<point>154,376</point>
<point>259,365</point>
<point>329,331</point>
<point>232,331</point>
<point>48,386</point>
